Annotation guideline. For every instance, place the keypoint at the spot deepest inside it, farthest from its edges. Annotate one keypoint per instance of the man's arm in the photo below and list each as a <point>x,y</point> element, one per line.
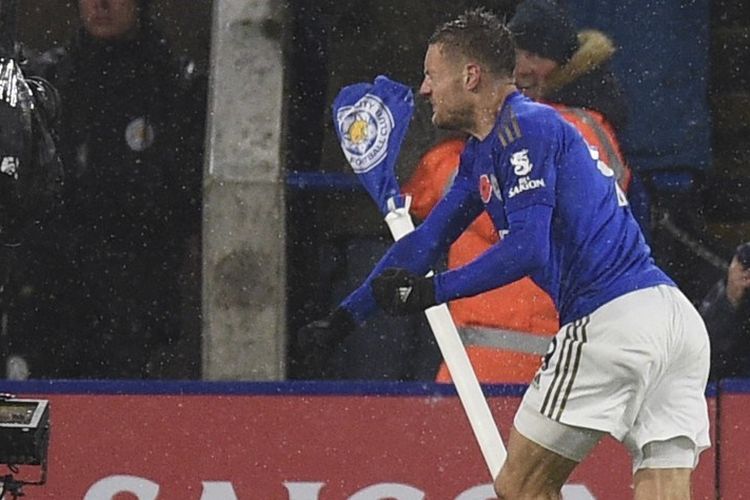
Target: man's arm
<point>399,291</point>
<point>524,250</point>
<point>418,250</point>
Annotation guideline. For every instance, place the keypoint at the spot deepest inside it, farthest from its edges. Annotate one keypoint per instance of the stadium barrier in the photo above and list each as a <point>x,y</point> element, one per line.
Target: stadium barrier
<point>315,441</point>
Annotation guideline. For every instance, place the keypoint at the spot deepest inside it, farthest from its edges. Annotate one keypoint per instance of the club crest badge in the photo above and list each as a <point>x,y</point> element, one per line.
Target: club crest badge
<point>364,129</point>
<point>139,134</point>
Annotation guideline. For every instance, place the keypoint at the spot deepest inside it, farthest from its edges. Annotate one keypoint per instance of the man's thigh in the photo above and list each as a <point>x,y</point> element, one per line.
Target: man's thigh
<point>532,470</point>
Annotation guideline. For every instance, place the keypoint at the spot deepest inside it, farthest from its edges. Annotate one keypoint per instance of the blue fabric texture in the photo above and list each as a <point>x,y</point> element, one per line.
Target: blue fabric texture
<point>371,121</point>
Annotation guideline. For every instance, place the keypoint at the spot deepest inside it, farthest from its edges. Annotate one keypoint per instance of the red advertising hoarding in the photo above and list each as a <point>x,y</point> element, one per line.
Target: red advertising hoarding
<point>290,441</point>
<point>734,470</point>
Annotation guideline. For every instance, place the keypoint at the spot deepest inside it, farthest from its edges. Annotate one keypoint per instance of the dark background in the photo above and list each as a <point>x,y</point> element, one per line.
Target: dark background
<point>46,23</point>
<point>329,44</point>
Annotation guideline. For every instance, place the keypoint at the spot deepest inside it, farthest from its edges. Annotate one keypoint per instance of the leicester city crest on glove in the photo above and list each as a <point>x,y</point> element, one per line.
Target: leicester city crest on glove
<point>364,129</point>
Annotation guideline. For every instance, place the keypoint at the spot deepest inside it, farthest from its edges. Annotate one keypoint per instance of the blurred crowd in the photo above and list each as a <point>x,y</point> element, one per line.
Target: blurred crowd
<point>103,284</point>
<point>103,278</point>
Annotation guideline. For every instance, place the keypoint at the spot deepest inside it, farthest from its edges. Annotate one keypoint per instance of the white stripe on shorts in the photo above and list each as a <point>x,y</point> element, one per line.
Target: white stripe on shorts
<point>565,374</point>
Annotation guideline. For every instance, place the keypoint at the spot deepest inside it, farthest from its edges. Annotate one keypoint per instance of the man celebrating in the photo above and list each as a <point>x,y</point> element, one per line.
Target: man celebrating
<point>506,329</point>
<point>632,356</point>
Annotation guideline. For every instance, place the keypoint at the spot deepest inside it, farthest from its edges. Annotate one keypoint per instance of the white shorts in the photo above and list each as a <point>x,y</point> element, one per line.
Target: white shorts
<point>635,368</point>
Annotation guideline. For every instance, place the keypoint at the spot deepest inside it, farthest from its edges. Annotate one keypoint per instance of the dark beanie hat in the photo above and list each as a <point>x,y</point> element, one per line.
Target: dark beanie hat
<point>542,27</point>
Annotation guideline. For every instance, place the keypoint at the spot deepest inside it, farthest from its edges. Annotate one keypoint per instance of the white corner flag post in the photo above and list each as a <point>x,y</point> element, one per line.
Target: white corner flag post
<point>467,386</point>
<point>371,121</point>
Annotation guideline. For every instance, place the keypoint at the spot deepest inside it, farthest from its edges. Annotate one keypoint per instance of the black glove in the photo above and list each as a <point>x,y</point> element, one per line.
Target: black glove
<point>317,341</point>
<point>400,292</point>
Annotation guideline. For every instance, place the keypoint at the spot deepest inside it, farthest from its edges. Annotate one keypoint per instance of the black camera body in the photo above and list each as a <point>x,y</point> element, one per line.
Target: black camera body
<point>743,254</point>
<point>24,430</point>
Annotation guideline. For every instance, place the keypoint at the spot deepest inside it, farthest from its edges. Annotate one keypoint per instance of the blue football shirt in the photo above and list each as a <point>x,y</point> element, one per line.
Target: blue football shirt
<point>562,218</point>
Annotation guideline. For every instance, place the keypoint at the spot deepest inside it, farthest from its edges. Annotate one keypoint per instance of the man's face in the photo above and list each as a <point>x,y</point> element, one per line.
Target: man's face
<point>443,87</point>
<point>531,72</point>
<point>109,19</point>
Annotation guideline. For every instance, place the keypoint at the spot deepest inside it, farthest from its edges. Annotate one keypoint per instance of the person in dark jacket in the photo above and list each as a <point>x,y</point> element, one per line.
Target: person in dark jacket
<point>108,291</point>
<point>556,63</point>
<point>726,311</point>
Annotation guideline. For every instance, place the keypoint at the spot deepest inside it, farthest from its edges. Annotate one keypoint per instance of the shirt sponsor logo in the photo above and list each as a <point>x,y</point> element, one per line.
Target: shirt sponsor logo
<point>525,184</point>
<point>521,163</point>
<point>364,129</point>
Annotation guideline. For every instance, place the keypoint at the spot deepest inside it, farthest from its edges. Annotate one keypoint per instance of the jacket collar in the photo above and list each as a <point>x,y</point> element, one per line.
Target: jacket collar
<point>595,49</point>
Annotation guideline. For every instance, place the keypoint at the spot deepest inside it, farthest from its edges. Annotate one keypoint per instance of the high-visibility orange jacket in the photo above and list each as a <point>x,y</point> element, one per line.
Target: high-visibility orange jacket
<point>521,306</point>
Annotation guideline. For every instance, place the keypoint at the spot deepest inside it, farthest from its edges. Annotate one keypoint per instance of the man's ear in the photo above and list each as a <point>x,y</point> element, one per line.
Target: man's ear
<point>472,76</point>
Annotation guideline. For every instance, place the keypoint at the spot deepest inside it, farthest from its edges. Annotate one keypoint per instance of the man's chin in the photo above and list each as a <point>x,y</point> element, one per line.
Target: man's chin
<point>442,123</point>
<point>530,92</point>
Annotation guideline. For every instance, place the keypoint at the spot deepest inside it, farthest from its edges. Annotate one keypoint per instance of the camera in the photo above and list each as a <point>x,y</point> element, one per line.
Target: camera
<point>24,430</point>
<point>743,254</point>
<point>24,439</point>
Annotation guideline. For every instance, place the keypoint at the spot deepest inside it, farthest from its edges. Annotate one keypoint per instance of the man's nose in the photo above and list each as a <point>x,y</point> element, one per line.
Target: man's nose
<point>521,69</point>
<point>424,89</point>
